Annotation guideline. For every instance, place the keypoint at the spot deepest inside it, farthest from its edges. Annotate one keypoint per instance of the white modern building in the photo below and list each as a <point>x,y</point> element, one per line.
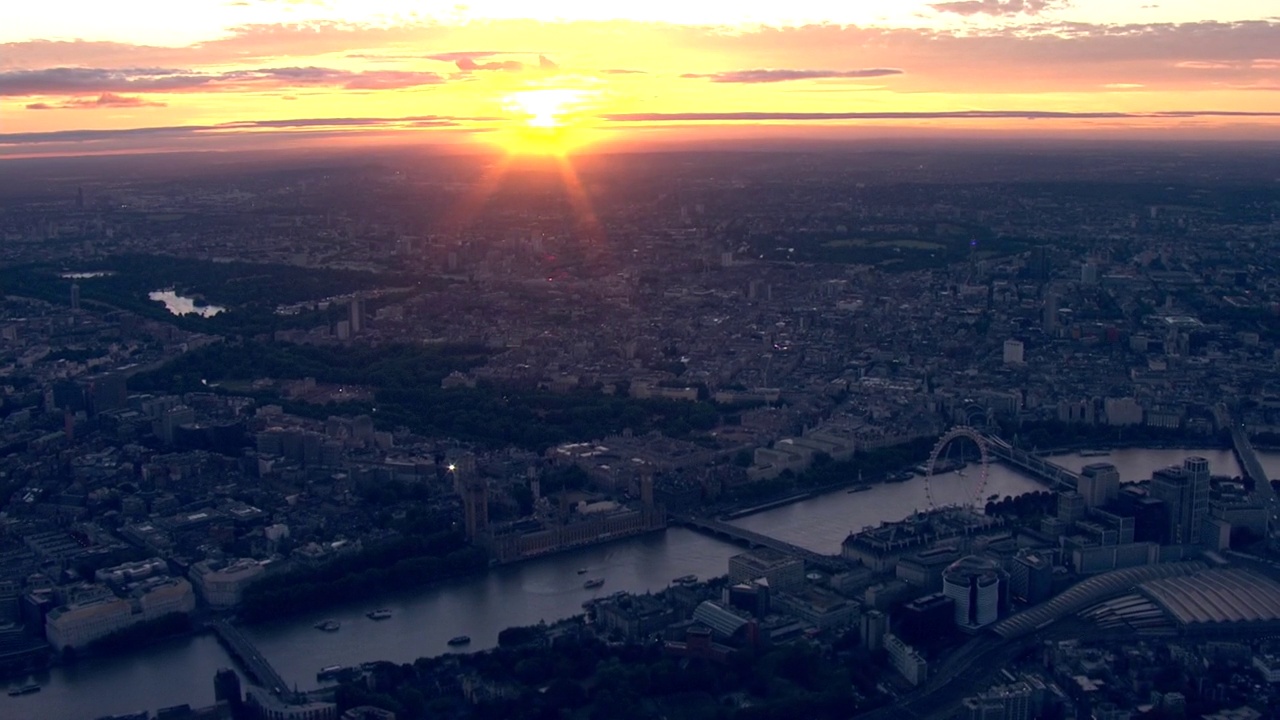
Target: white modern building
<point>978,586</point>
<point>905,659</point>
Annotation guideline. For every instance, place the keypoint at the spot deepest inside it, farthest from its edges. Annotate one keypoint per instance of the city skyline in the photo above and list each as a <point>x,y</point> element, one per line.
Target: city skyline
<point>144,76</point>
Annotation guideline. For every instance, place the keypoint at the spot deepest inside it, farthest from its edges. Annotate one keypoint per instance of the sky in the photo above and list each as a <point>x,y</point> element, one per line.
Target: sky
<point>562,76</point>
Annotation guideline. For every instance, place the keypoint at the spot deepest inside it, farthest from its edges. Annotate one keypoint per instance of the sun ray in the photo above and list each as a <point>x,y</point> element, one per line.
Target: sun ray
<point>467,210</point>
<point>580,203</point>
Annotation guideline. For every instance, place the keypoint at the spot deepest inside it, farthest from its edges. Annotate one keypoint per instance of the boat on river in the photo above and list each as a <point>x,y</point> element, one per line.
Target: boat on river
<point>686,580</point>
<point>379,614</point>
<point>459,640</point>
<point>593,583</point>
<point>24,690</point>
<point>329,625</point>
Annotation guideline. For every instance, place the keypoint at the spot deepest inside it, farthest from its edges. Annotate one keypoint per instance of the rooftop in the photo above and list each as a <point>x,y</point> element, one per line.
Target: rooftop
<point>1217,596</point>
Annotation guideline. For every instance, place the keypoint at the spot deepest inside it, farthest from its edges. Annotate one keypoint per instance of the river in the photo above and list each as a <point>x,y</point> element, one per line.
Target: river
<point>550,588</point>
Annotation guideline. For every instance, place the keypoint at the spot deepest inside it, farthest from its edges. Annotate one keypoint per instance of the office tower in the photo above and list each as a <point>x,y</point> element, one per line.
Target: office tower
<point>475,498</point>
<point>1070,507</point>
<point>1038,264</point>
<point>108,392</point>
<point>1013,352</point>
<point>1185,493</point>
<point>1099,484</point>
<point>1089,274</point>
<point>1050,318</point>
<point>1031,577</point>
<point>874,625</point>
<point>979,588</point>
<point>924,618</point>
<point>226,687</point>
<point>356,321</point>
<point>1197,471</point>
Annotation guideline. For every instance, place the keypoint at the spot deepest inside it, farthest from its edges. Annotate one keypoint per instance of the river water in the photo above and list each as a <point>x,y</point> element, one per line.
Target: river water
<point>550,588</point>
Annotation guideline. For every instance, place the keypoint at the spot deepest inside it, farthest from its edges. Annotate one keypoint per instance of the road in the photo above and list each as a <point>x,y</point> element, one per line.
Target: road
<point>975,667</point>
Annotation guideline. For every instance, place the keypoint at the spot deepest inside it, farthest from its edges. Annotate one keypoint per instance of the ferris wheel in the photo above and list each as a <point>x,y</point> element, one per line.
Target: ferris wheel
<point>974,481</point>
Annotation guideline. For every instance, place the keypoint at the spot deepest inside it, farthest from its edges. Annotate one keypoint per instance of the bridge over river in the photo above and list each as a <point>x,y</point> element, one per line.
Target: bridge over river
<point>753,540</point>
<point>1058,477</point>
<point>255,665</point>
<point>1263,491</point>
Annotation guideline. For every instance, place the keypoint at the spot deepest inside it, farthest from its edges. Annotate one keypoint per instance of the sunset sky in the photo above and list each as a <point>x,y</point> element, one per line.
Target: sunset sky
<point>79,77</point>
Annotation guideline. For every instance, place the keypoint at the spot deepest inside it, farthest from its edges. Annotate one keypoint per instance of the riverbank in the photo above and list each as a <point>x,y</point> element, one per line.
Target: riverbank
<point>1208,441</point>
<point>304,590</point>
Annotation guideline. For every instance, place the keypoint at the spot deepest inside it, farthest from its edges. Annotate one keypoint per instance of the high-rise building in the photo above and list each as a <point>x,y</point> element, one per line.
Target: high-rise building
<point>646,488</point>
<point>1013,352</point>
<point>174,418</point>
<point>75,296</point>
<point>356,321</point>
<point>925,617</point>
<point>1050,319</point>
<point>874,625</point>
<point>475,498</point>
<point>1031,577</point>
<point>1185,494</point>
<point>226,688</point>
<point>108,392</point>
<point>1170,487</point>
<point>1038,264</point>
<point>1099,484</point>
<point>1070,507</point>
<point>978,586</point>
<point>1196,469</point>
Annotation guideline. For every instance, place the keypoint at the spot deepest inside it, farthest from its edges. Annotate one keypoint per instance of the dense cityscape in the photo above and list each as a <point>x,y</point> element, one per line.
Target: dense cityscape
<point>244,390</point>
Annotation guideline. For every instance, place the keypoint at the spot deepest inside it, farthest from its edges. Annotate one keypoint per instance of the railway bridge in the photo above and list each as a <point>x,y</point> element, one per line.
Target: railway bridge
<point>242,649</point>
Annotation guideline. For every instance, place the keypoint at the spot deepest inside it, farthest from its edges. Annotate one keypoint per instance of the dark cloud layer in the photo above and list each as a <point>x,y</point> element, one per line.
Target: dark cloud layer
<point>944,115</point>
<point>781,75</point>
<point>998,7</point>
<point>78,80</point>
<point>329,125</point>
<point>1017,57</point>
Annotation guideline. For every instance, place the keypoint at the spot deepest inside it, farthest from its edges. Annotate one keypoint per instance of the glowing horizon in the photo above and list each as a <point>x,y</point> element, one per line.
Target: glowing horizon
<point>557,78</point>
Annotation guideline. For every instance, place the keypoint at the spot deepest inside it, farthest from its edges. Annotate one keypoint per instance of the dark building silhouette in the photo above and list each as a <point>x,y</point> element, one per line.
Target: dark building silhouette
<point>475,499</point>
<point>226,688</point>
<point>926,617</point>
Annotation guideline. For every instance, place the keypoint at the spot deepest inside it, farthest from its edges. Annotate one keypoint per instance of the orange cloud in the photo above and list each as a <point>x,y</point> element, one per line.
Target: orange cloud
<point>105,100</point>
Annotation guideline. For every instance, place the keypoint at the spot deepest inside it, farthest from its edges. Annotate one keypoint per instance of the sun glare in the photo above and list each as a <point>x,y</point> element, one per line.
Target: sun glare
<point>544,107</point>
<point>547,121</point>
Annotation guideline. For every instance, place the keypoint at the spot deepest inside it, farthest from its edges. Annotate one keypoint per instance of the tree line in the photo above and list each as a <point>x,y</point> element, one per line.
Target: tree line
<point>404,563</point>
<point>406,379</point>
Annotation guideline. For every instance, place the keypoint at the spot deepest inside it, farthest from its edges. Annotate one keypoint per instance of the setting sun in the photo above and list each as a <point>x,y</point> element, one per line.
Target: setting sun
<point>543,108</point>
<point>549,121</point>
